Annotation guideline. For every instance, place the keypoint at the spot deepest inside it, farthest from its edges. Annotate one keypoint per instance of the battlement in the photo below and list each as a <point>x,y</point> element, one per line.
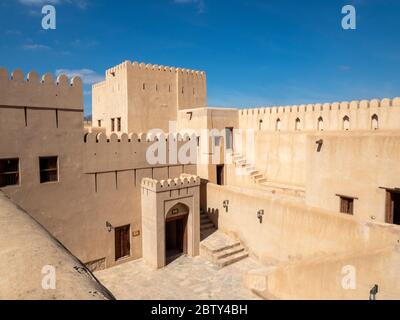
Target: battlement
<point>153,67</point>
<point>124,138</point>
<point>184,181</point>
<point>45,92</point>
<point>355,115</point>
<point>375,103</point>
<point>116,152</point>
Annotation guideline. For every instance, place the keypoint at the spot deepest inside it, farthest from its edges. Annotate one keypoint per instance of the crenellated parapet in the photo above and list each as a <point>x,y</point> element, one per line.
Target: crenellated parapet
<point>325,116</point>
<point>152,68</point>
<point>362,104</point>
<point>117,152</point>
<point>184,181</point>
<point>33,91</point>
<point>103,138</point>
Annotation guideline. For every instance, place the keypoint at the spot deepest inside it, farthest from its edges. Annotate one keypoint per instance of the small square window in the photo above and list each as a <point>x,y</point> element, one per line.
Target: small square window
<point>9,172</point>
<point>48,169</point>
<point>347,205</point>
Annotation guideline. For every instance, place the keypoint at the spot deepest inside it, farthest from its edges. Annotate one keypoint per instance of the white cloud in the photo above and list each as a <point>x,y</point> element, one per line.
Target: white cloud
<point>35,46</point>
<point>12,32</point>
<point>38,2</point>
<point>344,68</point>
<point>199,3</point>
<point>88,76</point>
<point>82,4</point>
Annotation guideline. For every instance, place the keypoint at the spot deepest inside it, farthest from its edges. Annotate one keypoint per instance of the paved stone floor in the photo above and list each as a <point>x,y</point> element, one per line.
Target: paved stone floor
<point>185,278</point>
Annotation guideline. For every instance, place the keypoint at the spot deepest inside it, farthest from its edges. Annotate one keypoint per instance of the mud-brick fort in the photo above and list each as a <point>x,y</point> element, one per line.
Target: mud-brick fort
<point>317,191</point>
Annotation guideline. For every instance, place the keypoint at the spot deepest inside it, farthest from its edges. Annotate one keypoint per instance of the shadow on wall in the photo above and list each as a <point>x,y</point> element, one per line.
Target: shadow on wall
<point>213,214</point>
<point>203,195</point>
<point>52,273</point>
<point>347,277</point>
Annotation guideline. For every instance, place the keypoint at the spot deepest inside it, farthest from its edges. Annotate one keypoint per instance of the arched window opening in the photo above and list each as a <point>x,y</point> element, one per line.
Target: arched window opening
<point>320,124</point>
<point>297,126</point>
<point>278,125</point>
<point>375,122</point>
<point>346,123</point>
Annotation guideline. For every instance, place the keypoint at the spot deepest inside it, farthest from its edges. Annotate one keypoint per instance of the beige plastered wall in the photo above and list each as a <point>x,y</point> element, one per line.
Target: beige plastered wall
<point>290,230</point>
<point>99,175</point>
<point>352,164</point>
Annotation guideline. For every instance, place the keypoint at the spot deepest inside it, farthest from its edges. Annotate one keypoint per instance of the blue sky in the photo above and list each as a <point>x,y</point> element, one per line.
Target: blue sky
<point>255,52</point>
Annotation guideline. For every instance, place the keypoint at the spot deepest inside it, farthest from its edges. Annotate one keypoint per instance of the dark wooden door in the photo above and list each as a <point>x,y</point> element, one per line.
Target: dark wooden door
<point>393,207</point>
<point>176,242</point>
<point>220,175</point>
<point>396,208</point>
<point>122,242</point>
<point>182,234</point>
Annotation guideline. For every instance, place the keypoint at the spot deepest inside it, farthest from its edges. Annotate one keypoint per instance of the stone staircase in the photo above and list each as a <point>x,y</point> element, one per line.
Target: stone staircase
<point>261,180</point>
<point>222,250</point>
<point>206,225</point>
<point>246,168</point>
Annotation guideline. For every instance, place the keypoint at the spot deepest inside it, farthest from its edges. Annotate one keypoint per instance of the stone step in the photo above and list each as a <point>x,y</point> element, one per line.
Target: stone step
<point>203,230</point>
<point>206,223</point>
<point>207,226</point>
<point>232,259</point>
<point>261,180</point>
<point>228,252</point>
<point>258,176</point>
<point>204,218</point>
<point>226,247</point>
<point>255,173</point>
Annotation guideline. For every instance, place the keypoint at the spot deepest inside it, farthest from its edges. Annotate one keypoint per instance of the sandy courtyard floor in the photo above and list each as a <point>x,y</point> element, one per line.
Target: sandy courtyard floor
<point>185,278</point>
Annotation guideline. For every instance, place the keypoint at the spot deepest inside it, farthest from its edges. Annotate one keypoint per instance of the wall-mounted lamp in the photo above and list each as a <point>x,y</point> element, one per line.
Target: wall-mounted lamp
<point>109,226</point>
<point>226,205</point>
<point>260,215</point>
<point>374,291</point>
<point>320,142</point>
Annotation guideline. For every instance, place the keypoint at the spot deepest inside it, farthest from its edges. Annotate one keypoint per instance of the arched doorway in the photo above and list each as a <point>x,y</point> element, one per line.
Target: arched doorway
<point>176,234</point>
